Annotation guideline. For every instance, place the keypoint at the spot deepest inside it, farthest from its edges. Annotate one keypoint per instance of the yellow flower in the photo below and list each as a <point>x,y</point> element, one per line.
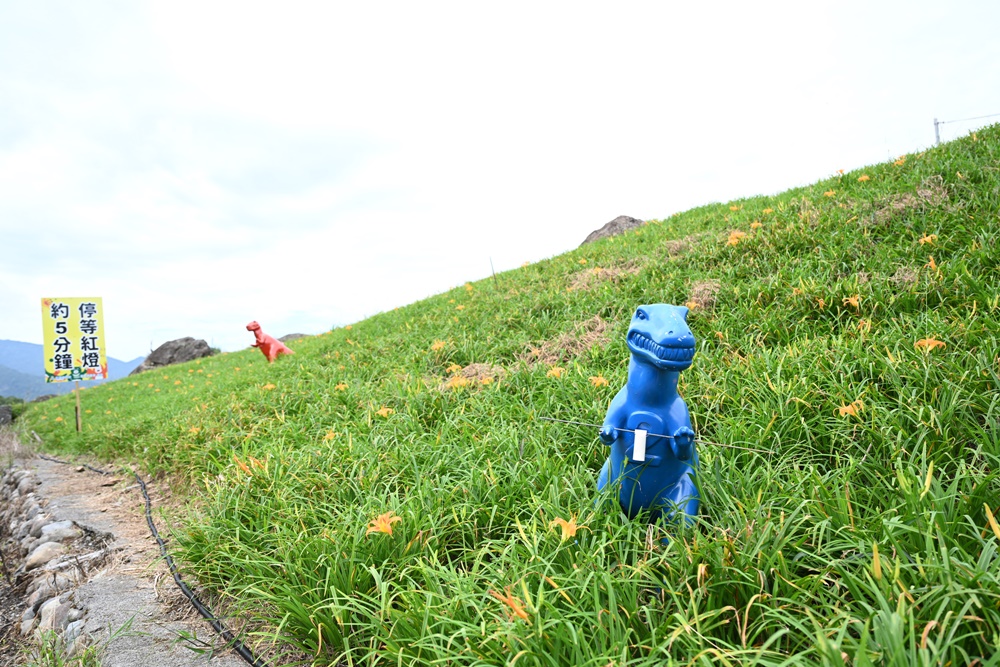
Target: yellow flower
<point>829,193</point>
<point>456,381</point>
<point>348,327</point>
<point>515,605</point>
<point>88,411</point>
<point>821,303</point>
<point>454,368</point>
<point>486,380</point>
<point>901,161</point>
<point>768,210</point>
<point>157,390</point>
<point>554,372</point>
<point>268,387</point>
<point>755,224</point>
<point>840,171</point>
<point>569,528</point>
<point>237,368</point>
<point>691,305</point>
<point>864,177</point>
<point>177,382</point>
<point>460,307</point>
<point>468,287</point>
<point>59,419</point>
<point>107,412</point>
<point>735,208</point>
<point>341,386</point>
<point>852,300</point>
<point>598,381</point>
<point>194,429</point>
<point>383,523</point>
<point>851,408</point>
<point>932,265</point>
<point>384,411</point>
<point>583,261</point>
<point>735,236</point>
<point>930,238</point>
<point>928,344</point>
<point>438,345</point>
<point>330,435</point>
<point>150,385</point>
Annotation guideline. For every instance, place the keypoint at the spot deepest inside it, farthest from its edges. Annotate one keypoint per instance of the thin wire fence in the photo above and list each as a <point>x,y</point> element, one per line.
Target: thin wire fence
<point>938,123</point>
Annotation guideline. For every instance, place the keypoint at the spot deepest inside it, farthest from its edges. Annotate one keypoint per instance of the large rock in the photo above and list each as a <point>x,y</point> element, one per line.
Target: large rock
<point>175,352</point>
<point>621,224</point>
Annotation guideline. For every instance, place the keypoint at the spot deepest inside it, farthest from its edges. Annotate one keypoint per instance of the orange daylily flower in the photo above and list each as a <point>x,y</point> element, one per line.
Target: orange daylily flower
<point>735,237</point>
<point>851,408</point>
<point>330,435</point>
<point>59,419</point>
<point>459,307</point>
<point>735,208</point>
<point>194,429</point>
<point>243,466</point>
<point>928,344</point>
<point>852,300</point>
<point>555,372</point>
<point>755,224</point>
<point>901,161</point>
<point>582,261</point>
<point>569,528</point>
<point>829,193</point>
<point>384,412</point>
<point>598,381</point>
<point>456,381</point>
<point>340,386</point>
<point>930,238</point>
<point>821,303</point>
<point>932,265</point>
<point>468,287</point>
<point>516,606</point>
<point>454,368</point>
<point>438,345</point>
<point>383,523</point>
<point>691,305</point>
<point>864,177</point>
<point>768,210</point>
<point>268,387</point>
<point>177,382</point>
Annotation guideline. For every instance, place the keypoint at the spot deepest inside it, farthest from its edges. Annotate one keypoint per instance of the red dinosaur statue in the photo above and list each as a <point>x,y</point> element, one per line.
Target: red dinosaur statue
<point>269,345</point>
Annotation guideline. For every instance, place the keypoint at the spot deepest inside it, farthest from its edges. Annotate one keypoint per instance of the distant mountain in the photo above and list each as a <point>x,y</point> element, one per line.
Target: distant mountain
<point>22,371</point>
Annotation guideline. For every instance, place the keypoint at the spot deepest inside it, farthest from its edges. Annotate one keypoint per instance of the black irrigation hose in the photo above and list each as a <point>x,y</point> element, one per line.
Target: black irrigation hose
<point>223,631</point>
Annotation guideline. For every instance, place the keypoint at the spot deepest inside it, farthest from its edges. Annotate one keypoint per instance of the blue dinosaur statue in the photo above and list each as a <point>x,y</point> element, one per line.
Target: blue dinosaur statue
<point>654,471</point>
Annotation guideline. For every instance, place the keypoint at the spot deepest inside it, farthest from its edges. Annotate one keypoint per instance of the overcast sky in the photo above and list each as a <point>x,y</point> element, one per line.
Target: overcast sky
<point>203,164</point>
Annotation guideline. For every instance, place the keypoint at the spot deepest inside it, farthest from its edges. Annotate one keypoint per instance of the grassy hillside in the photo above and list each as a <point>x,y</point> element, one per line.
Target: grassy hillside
<point>849,330</point>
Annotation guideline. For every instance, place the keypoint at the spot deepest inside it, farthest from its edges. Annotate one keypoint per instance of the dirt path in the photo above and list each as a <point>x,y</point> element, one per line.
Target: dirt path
<point>130,606</point>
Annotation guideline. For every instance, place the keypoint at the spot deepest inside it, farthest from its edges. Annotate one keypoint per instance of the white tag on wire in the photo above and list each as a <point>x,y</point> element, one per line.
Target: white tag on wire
<point>639,450</point>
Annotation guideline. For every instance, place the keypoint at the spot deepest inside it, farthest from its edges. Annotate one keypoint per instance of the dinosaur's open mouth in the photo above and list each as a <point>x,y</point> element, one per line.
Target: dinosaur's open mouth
<point>661,352</point>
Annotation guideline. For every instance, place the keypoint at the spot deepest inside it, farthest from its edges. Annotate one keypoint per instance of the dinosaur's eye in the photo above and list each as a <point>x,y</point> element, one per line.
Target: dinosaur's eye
<point>641,315</point>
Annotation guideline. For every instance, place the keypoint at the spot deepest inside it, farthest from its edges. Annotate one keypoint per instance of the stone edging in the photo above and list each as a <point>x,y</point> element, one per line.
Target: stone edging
<point>53,557</point>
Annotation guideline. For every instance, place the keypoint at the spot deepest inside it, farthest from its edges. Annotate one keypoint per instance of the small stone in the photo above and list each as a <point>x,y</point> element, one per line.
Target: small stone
<point>28,626</point>
<point>53,615</point>
<point>26,486</point>
<point>42,554</point>
<point>72,632</point>
<point>79,468</point>
<point>75,615</point>
<point>36,525</point>
<point>59,531</point>
<point>111,482</point>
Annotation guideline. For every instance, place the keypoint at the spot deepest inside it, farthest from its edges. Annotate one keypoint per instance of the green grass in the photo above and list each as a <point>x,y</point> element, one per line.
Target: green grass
<point>287,464</point>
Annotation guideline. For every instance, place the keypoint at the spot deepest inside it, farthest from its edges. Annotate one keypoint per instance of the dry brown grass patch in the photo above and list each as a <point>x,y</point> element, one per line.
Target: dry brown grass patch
<point>682,246</point>
<point>569,345</point>
<point>703,294</point>
<point>904,276</point>
<point>587,278</point>
<point>931,192</point>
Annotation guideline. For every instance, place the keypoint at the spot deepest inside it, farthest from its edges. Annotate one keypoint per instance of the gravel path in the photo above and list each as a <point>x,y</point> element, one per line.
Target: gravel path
<point>126,600</point>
